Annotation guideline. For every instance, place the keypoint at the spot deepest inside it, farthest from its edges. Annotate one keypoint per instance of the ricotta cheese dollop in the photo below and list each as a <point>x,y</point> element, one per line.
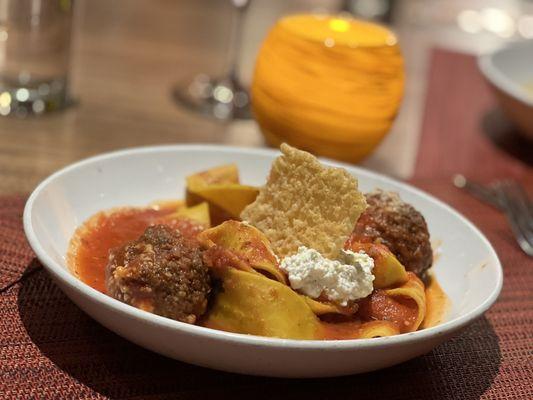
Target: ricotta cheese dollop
<point>348,278</point>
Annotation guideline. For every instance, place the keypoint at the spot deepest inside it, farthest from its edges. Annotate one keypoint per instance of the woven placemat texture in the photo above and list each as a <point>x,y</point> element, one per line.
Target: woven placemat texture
<point>463,129</point>
<point>49,349</point>
<point>14,259</point>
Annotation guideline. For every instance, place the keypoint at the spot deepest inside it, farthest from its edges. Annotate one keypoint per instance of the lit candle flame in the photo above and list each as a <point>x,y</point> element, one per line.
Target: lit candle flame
<point>339,25</point>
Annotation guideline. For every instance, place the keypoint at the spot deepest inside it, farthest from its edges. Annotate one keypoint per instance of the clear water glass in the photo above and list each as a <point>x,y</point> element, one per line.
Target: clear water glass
<point>34,56</point>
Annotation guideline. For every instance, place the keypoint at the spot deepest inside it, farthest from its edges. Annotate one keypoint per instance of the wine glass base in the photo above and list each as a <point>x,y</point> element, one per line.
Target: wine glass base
<point>223,99</point>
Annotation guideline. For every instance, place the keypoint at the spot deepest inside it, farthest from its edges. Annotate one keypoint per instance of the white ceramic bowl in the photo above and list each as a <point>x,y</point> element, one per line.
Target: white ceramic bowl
<point>509,70</point>
<point>468,268</point>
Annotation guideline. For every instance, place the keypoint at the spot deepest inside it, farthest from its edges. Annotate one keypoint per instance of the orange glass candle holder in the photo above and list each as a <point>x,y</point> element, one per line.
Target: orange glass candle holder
<point>329,85</point>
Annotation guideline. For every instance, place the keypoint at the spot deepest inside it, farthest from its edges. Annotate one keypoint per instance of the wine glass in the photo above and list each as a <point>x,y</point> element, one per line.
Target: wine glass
<point>220,97</point>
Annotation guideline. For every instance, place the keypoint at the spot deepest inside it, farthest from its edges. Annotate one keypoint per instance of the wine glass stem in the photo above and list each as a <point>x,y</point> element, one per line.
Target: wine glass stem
<point>235,41</point>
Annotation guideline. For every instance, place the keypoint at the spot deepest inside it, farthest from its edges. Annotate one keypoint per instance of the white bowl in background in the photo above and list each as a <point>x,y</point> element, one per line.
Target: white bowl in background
<point>509,70</point>
<point>468,268</point>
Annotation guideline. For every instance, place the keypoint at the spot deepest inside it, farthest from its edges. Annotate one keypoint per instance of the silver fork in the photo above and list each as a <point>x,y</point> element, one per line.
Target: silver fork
<point>517,208</point>
<point>511,198</point>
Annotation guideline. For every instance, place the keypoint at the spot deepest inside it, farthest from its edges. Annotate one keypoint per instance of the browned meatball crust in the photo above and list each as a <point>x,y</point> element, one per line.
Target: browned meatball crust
<point>161,272</point>
<point>398,225</point>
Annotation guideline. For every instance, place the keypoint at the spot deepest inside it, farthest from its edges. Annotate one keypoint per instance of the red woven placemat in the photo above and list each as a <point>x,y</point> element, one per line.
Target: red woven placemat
<point>463,130</point>
<point>50,349</point>
<point>13,258</point>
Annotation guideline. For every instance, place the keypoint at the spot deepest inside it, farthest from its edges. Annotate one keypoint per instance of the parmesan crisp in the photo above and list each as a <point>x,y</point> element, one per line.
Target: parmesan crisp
<point>305,203</point>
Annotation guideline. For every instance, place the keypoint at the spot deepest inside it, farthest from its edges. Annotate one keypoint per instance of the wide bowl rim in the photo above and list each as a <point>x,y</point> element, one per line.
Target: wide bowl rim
<point>499,78</point>
<point>73,283</point>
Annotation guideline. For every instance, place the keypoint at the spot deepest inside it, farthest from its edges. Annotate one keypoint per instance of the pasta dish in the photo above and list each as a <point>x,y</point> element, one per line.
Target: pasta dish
<point>306,256</point>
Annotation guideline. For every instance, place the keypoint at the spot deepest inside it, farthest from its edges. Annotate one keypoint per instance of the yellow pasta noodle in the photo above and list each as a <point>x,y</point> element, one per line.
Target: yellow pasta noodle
<point>253,304</point>
<point>243,246</point>
<point>375,329</point>
<point>388,271</point>
<point>323,308</point>
<point>412,289</point>
<point>404,305</point>
<point>220,188</point>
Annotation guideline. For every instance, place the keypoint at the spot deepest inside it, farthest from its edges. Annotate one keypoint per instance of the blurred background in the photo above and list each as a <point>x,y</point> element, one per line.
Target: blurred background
<point>127,56</point>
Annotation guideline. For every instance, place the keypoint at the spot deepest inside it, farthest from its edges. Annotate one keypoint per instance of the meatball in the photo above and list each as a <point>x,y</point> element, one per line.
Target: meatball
<point>161,272</point>
<point>398,225</point>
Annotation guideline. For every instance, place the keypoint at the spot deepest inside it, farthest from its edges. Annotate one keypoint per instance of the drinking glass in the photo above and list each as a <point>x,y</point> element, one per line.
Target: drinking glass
<point>34,55</point>
<point>220,97</point>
